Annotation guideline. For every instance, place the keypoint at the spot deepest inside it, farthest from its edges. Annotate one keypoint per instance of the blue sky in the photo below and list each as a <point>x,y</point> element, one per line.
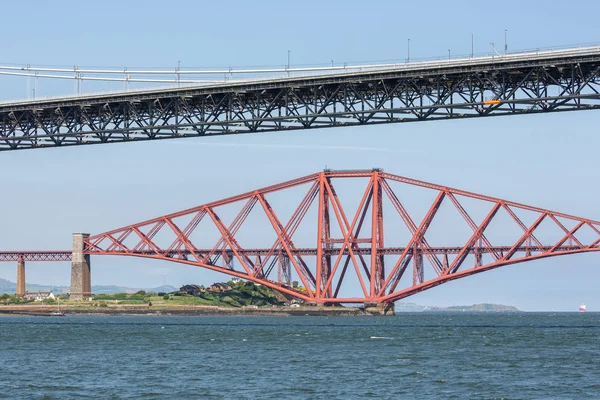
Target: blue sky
<point>544,160</point>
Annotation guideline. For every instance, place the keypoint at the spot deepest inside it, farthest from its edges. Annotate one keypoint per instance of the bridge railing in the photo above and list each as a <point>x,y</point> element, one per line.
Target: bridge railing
<point>261,75</point>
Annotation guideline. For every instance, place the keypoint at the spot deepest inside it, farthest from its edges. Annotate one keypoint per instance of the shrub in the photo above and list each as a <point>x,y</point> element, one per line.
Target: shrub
<point>165,297</point>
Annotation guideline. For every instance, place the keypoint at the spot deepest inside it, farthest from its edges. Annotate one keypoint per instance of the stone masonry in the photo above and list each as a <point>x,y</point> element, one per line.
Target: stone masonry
<point>21,277</point>
<point>81,283</point>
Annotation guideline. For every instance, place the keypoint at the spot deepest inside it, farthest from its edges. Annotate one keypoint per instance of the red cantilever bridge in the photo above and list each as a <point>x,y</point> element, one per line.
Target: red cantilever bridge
<point>363,236</point>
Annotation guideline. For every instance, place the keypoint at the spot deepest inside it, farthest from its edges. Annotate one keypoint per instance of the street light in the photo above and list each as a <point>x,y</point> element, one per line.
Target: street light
<point>505,42</point>
<point>408,59</point>
<point>448,54</point>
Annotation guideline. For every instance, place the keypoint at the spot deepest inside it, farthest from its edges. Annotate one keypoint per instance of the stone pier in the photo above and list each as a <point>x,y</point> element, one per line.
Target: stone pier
<point>380,308</point>
<point>81,283</point>
<point>20,277</point>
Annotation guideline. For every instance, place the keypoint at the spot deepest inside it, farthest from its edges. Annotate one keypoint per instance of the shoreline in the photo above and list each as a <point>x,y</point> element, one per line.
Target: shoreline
<point>132,310</point>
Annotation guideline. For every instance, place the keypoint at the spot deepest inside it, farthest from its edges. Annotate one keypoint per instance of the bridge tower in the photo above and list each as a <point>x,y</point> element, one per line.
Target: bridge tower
<point>81,284</point>
<point>20,276</point>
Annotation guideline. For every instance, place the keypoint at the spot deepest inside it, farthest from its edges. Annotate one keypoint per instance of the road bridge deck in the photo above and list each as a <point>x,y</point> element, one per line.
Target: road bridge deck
<point>537,82</point>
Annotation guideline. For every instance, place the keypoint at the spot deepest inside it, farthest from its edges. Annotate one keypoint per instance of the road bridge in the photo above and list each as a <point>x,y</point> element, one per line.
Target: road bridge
<point>510,84</point>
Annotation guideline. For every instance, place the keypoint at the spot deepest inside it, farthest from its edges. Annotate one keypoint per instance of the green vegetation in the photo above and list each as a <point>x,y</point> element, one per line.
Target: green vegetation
<point>12,299</point>
<point>241,294</point>
<point>139,297</point>
<point>234,294</point>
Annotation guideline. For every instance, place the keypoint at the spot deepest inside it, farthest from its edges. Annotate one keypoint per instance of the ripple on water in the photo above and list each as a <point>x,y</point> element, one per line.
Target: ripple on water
<point>424,356</point>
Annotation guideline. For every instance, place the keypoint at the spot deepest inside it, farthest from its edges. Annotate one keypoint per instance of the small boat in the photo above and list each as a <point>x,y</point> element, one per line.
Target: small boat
<point>582,308</point>
<point>58,313</point>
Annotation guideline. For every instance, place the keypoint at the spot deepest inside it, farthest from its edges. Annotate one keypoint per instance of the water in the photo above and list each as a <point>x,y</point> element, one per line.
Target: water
<point>424,355</point>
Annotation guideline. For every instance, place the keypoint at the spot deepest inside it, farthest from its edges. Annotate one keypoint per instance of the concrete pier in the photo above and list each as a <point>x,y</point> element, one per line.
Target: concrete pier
<point>81,283</point>
<point>20,277</point>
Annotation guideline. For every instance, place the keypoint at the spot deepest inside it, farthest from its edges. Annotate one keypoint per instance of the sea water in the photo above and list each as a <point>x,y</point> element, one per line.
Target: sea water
<point>412,355</point>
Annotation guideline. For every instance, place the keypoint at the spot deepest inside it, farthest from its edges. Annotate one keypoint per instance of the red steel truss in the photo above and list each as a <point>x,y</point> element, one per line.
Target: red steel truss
<point>353,259</point>
<point>59,255</point>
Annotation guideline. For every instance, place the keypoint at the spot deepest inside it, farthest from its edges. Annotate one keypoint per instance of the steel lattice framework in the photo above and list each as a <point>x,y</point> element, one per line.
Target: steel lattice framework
<point>53,255</point>
<point>349,241</point>
<point>498,85</point>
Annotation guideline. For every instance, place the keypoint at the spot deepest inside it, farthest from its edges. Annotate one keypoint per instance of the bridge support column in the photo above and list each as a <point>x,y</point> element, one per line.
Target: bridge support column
<point>81,283</point>
<point>20,277</point>
<point>380,308</point>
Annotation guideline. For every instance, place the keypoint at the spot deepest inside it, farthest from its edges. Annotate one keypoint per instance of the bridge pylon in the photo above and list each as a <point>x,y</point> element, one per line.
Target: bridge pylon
<point>21,290</point>
<point>81,286</point>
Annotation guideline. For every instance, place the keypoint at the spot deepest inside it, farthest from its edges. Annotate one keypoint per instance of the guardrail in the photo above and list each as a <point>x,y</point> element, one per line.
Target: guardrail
<point>285,73</point>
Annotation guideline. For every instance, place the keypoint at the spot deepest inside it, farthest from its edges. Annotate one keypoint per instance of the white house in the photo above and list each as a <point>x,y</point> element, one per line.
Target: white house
<point>39,296</point>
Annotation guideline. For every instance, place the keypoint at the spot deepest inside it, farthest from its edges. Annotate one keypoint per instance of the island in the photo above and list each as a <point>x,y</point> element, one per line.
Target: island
<point>484,307</point>
<point>235,297</point>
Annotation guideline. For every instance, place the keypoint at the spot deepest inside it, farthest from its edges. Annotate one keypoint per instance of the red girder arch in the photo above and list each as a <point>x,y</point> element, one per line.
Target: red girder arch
<point>351,245</point>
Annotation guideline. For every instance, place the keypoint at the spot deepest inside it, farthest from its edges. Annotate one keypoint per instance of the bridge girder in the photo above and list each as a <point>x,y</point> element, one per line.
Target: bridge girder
<point>481,89</point>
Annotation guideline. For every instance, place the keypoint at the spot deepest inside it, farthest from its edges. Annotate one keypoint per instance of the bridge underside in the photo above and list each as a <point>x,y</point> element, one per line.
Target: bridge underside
<point>491,87</point>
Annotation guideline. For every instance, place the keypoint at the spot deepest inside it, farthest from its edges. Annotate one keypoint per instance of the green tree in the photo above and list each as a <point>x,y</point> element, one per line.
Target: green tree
<point>295,284</point>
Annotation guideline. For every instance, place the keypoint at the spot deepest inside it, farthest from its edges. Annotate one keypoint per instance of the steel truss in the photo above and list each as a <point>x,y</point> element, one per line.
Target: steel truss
<point>350,242</point>
<point>480,88</point>
<point>59,255</point>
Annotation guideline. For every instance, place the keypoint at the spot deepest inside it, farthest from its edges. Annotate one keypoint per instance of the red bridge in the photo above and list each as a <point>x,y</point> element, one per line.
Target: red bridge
<point>341,237</point>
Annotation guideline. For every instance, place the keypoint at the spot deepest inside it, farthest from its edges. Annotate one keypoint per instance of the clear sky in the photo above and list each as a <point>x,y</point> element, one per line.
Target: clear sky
<point>544,160</point>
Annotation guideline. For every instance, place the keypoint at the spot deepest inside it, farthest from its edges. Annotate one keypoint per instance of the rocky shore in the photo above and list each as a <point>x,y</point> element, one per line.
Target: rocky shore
<point>144,309</point>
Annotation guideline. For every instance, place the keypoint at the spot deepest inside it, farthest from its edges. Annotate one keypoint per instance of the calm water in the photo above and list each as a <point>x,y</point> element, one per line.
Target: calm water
<point>409,356</point>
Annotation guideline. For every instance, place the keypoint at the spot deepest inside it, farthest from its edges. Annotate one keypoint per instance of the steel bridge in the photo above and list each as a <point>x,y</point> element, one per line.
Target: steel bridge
<point>354,259</point>
<point>510,84</point>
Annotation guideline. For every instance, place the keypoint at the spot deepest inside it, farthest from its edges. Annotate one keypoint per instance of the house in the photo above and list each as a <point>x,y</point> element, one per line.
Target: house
<point>39,296</point>
<point>192,289</point>
<point>219,287</point>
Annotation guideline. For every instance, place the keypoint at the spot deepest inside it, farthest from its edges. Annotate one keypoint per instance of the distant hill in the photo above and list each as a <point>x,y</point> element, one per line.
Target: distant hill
<point>412,307</point>
<point>10,287</point>
<point>485,307</point>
